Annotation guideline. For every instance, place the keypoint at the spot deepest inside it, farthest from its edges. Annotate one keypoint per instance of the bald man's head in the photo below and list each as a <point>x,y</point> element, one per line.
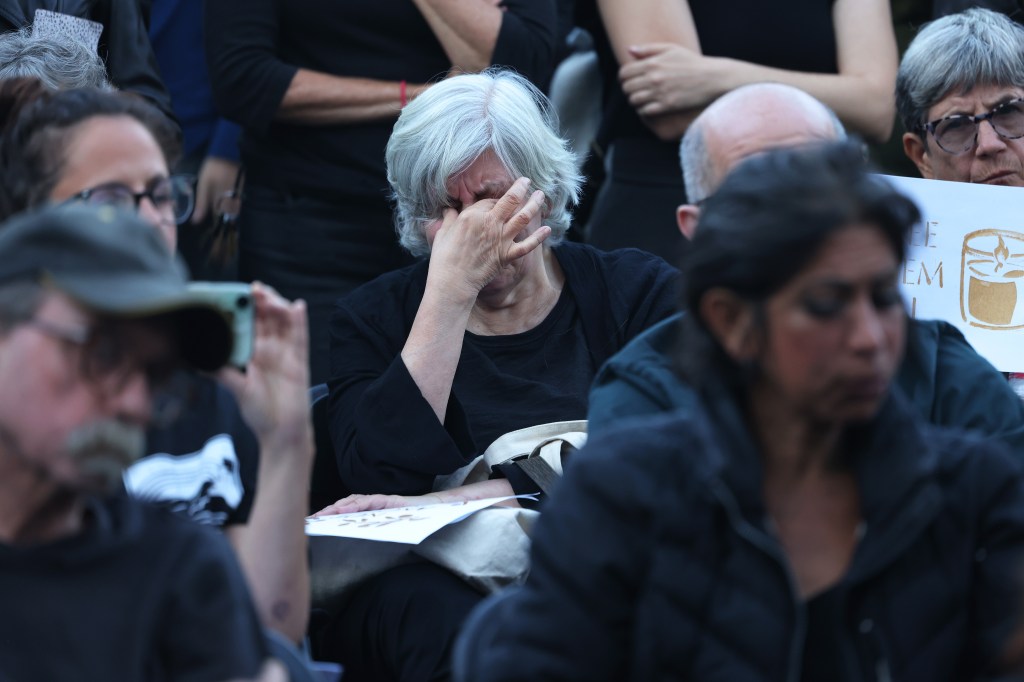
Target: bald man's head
<point>746,121</point>
<point>743,122</point>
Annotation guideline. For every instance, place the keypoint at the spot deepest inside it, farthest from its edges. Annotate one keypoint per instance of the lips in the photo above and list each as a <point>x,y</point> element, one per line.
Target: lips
<point>996,178</point>
<point>867,388</point>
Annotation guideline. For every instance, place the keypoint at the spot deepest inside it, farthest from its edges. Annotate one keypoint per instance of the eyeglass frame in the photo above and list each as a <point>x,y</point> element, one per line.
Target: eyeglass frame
<point>977,120</point>
<point>167,394</point>
<point>175,182</point>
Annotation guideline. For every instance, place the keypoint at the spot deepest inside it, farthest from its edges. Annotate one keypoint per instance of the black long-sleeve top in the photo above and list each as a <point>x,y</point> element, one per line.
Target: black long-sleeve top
<point>255,47</point>
<point>386,436</point>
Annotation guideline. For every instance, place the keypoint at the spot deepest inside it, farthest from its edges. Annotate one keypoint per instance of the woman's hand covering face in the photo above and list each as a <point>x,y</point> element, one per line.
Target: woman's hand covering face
<point>471,248</point>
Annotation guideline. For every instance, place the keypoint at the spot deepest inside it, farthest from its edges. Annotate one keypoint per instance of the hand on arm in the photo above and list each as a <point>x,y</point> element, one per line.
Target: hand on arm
<point>271,394</point>
<point>469,249</point>
<point>667,79</point>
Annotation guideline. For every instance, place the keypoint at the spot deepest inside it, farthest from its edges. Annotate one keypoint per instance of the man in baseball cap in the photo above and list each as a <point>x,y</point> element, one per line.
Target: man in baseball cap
<point>94,316</point>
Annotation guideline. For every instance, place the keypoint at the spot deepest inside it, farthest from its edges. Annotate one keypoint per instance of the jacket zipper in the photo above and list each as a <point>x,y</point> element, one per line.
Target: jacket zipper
<point>760,541</point>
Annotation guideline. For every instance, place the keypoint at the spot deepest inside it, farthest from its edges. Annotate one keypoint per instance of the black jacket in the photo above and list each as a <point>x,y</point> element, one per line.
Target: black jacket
<point>124,44</point>
<point>654,562</point>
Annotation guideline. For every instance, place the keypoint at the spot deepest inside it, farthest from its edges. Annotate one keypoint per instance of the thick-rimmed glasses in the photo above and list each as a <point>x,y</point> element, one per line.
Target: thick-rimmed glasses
<point>174,195</point>
<point>959,133</point>
<point>109,361</point>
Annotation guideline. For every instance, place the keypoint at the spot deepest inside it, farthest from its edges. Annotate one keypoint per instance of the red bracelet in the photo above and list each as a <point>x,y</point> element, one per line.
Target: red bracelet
<point>401,94</point>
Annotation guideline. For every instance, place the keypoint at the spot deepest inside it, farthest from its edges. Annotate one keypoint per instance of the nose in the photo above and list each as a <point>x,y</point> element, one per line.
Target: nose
<point>131,398</point>
<point>867,333</point>
<point>989,141</point>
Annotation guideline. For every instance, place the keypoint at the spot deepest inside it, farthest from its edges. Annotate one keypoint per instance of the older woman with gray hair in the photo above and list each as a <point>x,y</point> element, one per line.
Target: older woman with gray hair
<point>503,324</point>
<point>58,64</point>
<point>960,95</point>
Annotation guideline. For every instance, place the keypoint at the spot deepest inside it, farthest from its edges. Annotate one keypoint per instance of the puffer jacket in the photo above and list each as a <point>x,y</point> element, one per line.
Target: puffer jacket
<point>124,44</point>
<point>654,561</point>
<point>943,377</point>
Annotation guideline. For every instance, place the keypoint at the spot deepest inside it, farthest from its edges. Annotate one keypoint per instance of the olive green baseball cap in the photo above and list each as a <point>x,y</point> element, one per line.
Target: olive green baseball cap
<point>114,264</point>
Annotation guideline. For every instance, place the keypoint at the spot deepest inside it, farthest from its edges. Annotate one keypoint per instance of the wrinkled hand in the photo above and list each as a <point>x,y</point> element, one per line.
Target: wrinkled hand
<point>216,178</point>
<point>470,248</point>
<point>667,77</point>
<point>272,392</point>
<point>358,503</point>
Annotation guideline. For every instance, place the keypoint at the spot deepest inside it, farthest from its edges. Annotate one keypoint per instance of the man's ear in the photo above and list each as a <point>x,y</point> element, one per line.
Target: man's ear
<point>687,216</point>
<point>731,321</point>
<point>915,149</point>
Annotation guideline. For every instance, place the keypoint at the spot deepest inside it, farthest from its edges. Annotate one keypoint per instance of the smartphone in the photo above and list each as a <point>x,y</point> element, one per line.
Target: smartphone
<point>234,299</point>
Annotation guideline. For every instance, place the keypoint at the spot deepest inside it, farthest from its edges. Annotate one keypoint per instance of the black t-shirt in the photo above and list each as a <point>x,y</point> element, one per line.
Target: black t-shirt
<point>204,464</point>
<point>548,363</point>
<point>140,594</point>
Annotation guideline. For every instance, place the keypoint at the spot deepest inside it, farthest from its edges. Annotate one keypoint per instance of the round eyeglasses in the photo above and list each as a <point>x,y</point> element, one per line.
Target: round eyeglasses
<point>959,133</point>
<point>173,196</point>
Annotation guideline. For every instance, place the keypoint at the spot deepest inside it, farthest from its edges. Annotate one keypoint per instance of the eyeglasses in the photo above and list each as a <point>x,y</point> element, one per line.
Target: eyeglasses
<point>174,196</point>
<point>108,362</point>
<point>959,133</point>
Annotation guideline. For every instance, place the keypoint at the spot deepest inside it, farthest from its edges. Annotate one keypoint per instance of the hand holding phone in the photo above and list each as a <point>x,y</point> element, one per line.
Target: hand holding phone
<point>271,392</point>
<point>235,300</point>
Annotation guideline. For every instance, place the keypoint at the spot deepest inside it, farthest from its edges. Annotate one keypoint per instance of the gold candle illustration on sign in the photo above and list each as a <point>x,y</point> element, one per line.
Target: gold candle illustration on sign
<point>992,279</point>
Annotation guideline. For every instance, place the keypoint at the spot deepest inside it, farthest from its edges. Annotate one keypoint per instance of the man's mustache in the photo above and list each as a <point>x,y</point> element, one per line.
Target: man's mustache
<point>104,449</point>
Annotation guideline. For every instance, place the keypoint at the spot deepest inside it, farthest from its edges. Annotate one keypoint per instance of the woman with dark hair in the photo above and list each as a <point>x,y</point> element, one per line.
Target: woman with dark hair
<point>801,522</point>
<point>110,148</point>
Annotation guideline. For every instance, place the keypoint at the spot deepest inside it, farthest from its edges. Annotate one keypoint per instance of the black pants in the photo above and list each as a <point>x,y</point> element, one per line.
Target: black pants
<point>400,626</point>
<point>317,250</point>
<point>636,205</point>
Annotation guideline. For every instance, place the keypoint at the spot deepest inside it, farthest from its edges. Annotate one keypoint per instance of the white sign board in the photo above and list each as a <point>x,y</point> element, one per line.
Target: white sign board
<point>965,264</point>
<point>410,525</point>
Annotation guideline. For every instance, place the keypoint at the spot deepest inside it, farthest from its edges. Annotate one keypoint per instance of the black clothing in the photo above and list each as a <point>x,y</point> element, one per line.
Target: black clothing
<point>401,625</point>
<point>795,35</point>
<point>204,464</point>
<point>822,659</point>
<point>124,44</point>
<point>387,438</point>
<point>140,594</point>
<point>655,561</point>
<point>255,47</point>
<point>317,250</point>
<point>316,222</point>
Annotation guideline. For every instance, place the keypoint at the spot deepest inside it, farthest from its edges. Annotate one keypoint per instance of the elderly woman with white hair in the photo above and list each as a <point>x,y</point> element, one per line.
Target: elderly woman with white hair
<point>501,326</point>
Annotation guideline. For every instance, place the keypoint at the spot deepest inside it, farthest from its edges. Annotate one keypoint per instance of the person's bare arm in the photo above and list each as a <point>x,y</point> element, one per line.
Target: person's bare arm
<point>666,79</point>
<point>317,98</point>
<point>271,546</point>
<point>467,29</point>
<point>468,250</point>
<point>634,22</point>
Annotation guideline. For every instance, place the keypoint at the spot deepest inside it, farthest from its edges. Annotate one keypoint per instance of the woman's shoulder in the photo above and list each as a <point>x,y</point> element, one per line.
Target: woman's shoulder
<point>618,263</point>
<point>387,294</point>
<point>676,445</point>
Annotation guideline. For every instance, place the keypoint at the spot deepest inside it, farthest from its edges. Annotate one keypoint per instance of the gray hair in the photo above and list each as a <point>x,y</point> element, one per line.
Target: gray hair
<point>957,53</point>
<point>58,64</point>
<point>698,172</point>
<point>444,130</point>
